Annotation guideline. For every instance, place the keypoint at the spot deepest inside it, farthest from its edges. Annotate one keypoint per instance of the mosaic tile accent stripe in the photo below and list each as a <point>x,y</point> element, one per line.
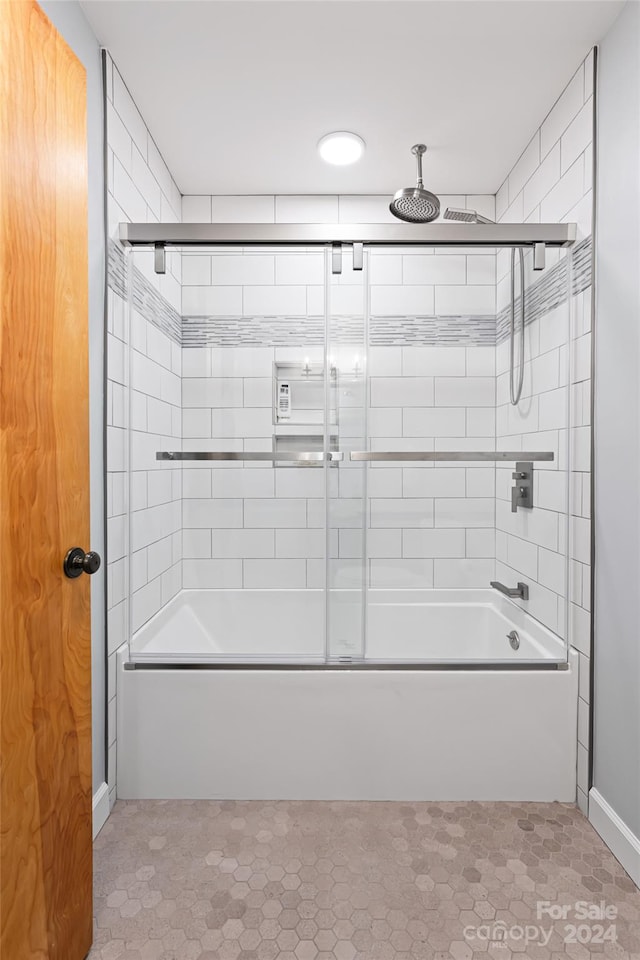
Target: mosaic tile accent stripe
<point>465,330</point>
<point>469,330</point>
<point>116,269</point>
<point>154,308</point>
<point>146,299</point>
<point>298,331</point>
<point>582,265</point>
<point>550,291</point>
<point>252,331</point>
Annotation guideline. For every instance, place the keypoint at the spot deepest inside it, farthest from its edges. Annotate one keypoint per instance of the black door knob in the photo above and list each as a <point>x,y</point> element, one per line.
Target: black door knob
<point>77,562</point>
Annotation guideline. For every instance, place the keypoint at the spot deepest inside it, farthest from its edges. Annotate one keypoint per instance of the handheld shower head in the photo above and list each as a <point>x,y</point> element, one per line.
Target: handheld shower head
<point>415,204</point>
<point>467,216</point>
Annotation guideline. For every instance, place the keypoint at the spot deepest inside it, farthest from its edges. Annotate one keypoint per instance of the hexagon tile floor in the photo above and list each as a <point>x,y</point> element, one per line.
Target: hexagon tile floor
<point>182,880</point>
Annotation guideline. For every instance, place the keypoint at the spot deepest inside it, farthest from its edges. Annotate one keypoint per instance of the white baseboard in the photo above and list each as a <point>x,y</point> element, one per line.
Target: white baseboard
<point>100,808</point>
<point>622,842</point>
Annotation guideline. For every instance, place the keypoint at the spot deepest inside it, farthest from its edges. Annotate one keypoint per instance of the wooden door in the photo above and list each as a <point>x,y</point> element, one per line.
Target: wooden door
<point>45,668</point>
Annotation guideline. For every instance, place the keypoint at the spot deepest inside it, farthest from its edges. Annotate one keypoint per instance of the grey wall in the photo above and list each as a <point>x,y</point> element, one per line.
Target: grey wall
<point>69,20</point>
<point>617,424</point>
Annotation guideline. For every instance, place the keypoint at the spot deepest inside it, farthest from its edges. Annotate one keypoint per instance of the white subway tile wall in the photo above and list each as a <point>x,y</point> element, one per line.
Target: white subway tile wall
<point>433,394</point>
<point>552,181</point>
<point>140,188</point>
<point>248,296</point>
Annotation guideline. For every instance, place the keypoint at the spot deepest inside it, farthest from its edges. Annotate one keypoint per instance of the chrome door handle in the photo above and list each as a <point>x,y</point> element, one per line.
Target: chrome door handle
<point>293,456</point>
<point>442,456</point>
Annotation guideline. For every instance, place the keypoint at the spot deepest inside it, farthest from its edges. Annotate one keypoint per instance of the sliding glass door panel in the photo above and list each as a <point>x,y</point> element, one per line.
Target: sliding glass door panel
<point>346,430</point>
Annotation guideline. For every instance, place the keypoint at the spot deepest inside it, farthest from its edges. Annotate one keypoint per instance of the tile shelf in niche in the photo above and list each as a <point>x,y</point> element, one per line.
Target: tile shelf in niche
<point>301,443</point>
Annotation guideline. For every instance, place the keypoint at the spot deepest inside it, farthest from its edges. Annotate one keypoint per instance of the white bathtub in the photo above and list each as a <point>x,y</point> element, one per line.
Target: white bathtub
<point>287,626</point>
<point>454,714</point>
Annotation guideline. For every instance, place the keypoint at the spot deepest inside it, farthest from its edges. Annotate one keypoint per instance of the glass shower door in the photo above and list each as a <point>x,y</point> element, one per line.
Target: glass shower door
<point>267,368</point>
<point>453,544</point>
<point>242,380</point>
<point>228,455</point>
<point>346,430</point>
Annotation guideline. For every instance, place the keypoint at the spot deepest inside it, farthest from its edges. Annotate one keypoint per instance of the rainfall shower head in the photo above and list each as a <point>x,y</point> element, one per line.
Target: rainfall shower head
<point>415,204</point>
<point>467,216</point>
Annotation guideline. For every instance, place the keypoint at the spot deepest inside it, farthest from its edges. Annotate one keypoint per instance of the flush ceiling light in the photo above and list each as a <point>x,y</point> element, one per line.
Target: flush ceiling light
<point>341,148</point>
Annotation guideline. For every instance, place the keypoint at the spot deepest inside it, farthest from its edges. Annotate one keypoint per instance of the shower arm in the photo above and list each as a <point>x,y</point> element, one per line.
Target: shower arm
<point>419,150</point>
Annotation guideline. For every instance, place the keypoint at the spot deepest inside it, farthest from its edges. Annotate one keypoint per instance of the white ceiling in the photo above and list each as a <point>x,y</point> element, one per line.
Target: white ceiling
<point>237,94</point>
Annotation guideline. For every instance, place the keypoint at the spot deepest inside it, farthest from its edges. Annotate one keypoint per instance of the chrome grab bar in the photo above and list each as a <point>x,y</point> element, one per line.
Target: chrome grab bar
<point>442,456</point>
<point>304,456</point>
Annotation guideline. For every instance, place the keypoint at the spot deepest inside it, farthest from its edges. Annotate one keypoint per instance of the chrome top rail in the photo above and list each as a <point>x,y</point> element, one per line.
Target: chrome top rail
<point>442,456</point>
<point>304,456</point>
<point>381,234</point>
